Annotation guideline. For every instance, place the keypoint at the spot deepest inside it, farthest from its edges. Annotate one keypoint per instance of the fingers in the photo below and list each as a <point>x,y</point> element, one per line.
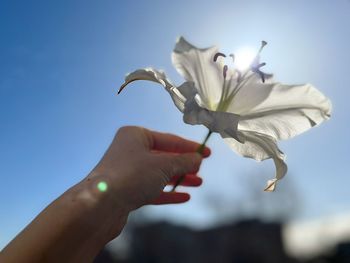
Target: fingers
<point>175,164</point>
<point>189,180</point>
<point>172,143</point>
<point>171,198</point>
<point>175,197</point>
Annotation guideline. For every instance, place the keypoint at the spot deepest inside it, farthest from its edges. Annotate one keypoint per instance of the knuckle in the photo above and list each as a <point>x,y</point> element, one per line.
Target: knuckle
<point>124,130</point>
<point>178,162</point>
<point>166,172</point>
<point>184,163</point>
<point>172,167</point>
<point>193,163</point>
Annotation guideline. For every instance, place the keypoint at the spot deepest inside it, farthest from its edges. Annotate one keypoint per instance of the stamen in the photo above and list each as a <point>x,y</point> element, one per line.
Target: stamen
<point>262,76</point>
<point>218,55</point>
<point>233,57</point>
<point>239,76</point>
<point>256,69</point>
<point>263,44</point>
<point>224,71</point>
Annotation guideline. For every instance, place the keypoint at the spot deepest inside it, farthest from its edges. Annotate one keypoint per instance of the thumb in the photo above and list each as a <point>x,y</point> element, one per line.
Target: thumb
<point>187,163</point>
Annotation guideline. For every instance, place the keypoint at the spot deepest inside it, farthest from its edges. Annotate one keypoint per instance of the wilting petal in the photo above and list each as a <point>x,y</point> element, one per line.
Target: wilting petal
<point>197,65</point>
<point>285,112</point>
<point>159,77</point>
<point>221,122</point>
<point>260,147</point>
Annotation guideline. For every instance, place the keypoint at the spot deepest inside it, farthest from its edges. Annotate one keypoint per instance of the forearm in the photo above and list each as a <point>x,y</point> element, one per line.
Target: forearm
<point>133,172</point>
<point>74,228</point>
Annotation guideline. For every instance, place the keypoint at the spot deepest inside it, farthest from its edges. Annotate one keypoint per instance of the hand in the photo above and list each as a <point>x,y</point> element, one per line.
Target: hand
<point>140,163</point>
<point>134,171</point>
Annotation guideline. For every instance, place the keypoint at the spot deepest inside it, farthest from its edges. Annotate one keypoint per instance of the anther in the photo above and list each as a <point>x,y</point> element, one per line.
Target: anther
<point>262,76</point>
<point>233,57</point>
<point>224,71</point>
<point>256,69</point>
<point>218,55</point>
<point>263,44</point>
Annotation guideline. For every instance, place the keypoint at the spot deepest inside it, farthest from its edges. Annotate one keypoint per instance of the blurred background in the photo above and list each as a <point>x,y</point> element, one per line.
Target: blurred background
<point>61,63</point>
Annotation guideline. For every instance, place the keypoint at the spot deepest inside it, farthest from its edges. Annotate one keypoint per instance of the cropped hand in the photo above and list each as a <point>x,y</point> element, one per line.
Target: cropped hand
<point>140,163</point>
<point>133,172</point>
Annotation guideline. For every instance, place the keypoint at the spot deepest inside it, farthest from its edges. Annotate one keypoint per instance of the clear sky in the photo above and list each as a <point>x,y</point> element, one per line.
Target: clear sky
<point>61,63</point>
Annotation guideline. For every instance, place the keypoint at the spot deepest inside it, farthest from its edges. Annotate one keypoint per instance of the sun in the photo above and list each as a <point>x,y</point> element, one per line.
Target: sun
<point>244,57</point>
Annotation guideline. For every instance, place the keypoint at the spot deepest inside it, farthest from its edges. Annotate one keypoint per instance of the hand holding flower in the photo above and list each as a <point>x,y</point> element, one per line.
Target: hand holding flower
<point>140,163</point>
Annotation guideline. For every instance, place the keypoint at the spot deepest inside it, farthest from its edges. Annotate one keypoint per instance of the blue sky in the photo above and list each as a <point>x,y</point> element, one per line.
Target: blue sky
<point>60,66</point>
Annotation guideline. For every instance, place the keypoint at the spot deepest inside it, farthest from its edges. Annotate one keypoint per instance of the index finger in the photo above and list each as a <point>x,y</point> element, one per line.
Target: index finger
<point>172,143</point>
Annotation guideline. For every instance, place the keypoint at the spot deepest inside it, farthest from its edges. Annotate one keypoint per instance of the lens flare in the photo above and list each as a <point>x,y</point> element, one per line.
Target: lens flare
<point>102,186</point>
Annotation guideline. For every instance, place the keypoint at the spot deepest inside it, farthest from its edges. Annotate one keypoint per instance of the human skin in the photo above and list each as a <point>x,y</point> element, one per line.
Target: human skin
<point>137,166</point>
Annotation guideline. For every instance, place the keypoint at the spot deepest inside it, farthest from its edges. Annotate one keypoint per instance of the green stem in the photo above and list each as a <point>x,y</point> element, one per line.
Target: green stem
<point>200,151</point>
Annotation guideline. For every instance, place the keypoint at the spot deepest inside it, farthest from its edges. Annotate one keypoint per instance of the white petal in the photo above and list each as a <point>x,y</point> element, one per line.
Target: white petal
<point>221,122</point>
<point>159,77</point>
<point>252,93</point>
<point>280,111</point>
<point>260,147</point>
<point>197,65</point>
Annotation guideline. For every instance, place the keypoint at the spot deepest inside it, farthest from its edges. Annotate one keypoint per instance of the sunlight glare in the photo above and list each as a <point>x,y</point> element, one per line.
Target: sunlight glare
<point>244,57</point>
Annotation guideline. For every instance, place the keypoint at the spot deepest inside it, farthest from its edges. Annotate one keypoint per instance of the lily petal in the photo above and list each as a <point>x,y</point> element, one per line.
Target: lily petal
<point>251,93</point>
<point>260,147</point>
<point>197,65</point>
<point>224,123</point>
<point>154,75</point>
<point>281,111</point>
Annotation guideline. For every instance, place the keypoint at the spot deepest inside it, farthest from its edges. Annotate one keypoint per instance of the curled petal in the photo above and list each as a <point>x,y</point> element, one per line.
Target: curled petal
<point>197,65</point>
<point>260,147</point>
<point>159,77</point>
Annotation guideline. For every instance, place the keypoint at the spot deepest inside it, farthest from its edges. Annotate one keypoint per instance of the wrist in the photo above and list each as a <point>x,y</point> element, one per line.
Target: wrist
<point>105,213</point>
<point>74,228</point>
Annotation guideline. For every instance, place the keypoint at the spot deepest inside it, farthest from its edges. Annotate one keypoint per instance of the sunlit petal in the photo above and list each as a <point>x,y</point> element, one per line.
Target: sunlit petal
<point>286,111</point>
<point>249,94</point>
<point>197,65</point>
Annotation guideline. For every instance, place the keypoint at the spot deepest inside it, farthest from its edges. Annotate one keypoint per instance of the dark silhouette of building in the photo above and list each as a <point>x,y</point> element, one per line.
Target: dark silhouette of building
<point>249,241</point>
<point>244,242</point>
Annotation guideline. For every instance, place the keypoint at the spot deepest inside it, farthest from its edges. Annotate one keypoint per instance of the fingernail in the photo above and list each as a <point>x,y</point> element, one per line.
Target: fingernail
<point>206,152</point>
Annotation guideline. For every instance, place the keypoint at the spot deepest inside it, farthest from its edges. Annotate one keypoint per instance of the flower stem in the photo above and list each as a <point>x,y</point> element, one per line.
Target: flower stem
<point>200,150</point>
<point>202,146</point>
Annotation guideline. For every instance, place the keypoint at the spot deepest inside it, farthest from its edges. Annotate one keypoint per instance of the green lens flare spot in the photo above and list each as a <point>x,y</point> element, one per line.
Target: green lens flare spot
<point>102,186</point>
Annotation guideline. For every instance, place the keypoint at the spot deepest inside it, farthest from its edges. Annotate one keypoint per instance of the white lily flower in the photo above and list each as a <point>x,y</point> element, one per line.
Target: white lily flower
<point>248,109</point>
